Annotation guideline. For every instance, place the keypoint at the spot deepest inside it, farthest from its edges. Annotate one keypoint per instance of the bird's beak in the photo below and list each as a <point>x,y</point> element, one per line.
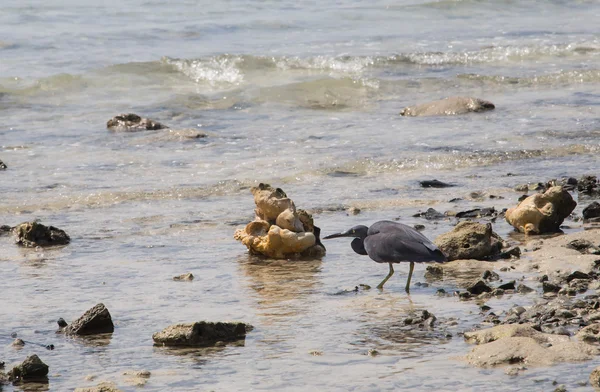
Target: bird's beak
<point>347,233</point>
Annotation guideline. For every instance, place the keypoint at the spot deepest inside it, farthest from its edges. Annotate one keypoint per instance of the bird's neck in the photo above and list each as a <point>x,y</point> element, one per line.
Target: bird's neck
<point>358,245</point>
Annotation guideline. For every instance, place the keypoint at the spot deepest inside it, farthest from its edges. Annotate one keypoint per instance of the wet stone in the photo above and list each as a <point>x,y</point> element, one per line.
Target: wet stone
<point>95,321</point>
<point>478,288</point>
<point>588,185</point>
<point>32,234</point>
<point>2,165</point>
<point>578,275</point>
<point>201,333</point>
<point>595,378</point>
<point>434,184</point>
<point>430,214</point>
<point>508,286</point>
<point>490,276</point>
<point>5,229</point>
<point>580,245</point>
<point>522,289</point>
<point>18,343</point>
<point>592,211</point>
<point>515,252</point>
<point>184,277</point>
<point>419,227</point>
<point>548,287</point>
<point>32,369</point>
<point>477,213</point>
<point>132,122</point>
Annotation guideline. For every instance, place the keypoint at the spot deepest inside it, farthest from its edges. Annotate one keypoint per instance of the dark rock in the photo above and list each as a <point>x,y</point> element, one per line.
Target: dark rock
<point>419,227</point>
<point>470,240</point>
<point>201,333</point>
<point>580,245</point>
<point>490,276</point>
<point>464,295</point>
<point>5,229</point>
<point>133,122</point>
<point>478,288</point>
<point>497,292</point>
<point>578,275</point>
<point>2,165</point>
<point>588,185</point>
<point>32,234</point>
<point>485,308</point>
<point>522,289</point>
<point>548,287</point>
<point>508,286</point>
<point>477,213</point>
<point>430,214</point>
<point>32,369</point>
<point>94,321</point>
<point>434,184</point>
<point>61,322</point>
<point>592,211</point>
<point>515,251</point>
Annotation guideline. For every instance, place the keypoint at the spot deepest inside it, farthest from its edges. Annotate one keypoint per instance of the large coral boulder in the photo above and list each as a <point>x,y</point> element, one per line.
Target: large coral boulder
<point>542,212</point>
<point>96,320</point>
<point>520,343</point>
<point>32,234</point>
<point>469,240</point>
<point>32,369</point>
<point>448,107</point>
<point>201,334</point>
<point>279,230</point>
<point>132,122</point>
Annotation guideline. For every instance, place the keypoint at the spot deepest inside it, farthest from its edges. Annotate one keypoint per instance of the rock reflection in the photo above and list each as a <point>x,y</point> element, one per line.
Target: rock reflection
<point>98,340</point>
<point>281,285</point>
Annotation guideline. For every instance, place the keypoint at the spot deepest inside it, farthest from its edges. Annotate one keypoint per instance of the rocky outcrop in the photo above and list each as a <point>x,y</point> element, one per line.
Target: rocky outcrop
<point>542,212</point>
<point>32,234</point>
<point>520,343</point>
<point>32,369</point>
<point>94,321</point>
<point>132,123</point>
<point>470,240</point>
<point>448,107</point>
<point>201,334</point>
<point>279,230</point>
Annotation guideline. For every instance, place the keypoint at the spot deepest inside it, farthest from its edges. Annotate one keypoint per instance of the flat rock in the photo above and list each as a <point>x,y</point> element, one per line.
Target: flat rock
<point>96,320</point>
<point>132,122</point>
<point>469,240</point>
<point>102,387</point>
<point>434,184</point>
<point>32,369</point>
<point>201,333</point>
<point>32,234</point>
<point>520,343</point>
<point>448,107</point>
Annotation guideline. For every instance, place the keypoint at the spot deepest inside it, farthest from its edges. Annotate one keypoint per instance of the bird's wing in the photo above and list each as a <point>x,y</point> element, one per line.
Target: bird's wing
<point>392,242</point>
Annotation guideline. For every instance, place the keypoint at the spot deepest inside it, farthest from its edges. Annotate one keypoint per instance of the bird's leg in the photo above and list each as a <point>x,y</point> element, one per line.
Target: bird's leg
<point>410,271</point>
<point>380,285</point>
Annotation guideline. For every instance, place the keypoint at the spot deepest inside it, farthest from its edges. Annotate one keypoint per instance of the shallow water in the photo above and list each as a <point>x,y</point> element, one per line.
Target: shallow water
<point>306,98</point>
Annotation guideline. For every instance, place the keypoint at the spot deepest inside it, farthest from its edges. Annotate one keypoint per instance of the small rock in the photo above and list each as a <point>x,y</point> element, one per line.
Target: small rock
<point>595,378</point>
<point>497,292</point>
<point>61,322</point>
<point>522,289</point>
<point>353,211</point>
<point>578,275</point>
<point>490,276</point>
<point>548,287</point>
<point>185,277</point>
<point>580,245</point>
<point>372,352</point>
<point>588,185</point>
<point>2,165</point>
<point>478,288</point>
<point>434,184</point>
<point>315,353</point>
<point>515,251</point>
<point>592,211</point>
<point>102,387</point>
<point>18,343</point>
<point>450,106</point>
<point>561,388</point>
<point>32,369</point>
<point>201,333</point>
<point>5,229</point>
<point>434,272</point>
<point>508,286</point>
<point>32,234</point>
<point>419,227</point>
<point>430,214</point>
<point>514,370</point>
<point>96,320</point>
<point>477,213</point>
<point>133,122</point>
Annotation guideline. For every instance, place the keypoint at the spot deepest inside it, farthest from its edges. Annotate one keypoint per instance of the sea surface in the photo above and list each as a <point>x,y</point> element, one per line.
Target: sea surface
<point>301,95</point>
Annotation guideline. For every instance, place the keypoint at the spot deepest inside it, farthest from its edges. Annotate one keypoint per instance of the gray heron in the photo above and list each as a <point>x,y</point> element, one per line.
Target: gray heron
<point>392,242</point>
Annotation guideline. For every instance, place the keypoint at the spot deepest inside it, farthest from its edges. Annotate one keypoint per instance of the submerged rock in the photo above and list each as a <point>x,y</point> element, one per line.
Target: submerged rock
<point>201,333</point>
<point>185,277</point>
<point>279,230</point>
<point>542,212</point>
<point>32,369</point>
<point>520,343</point>
<point>102,387</point>
<point>94,321</point>
<point>132,122</point>
<point>32,234</point>
<point>448,107</point>
<point>469,240</point>
<point>434,184</point>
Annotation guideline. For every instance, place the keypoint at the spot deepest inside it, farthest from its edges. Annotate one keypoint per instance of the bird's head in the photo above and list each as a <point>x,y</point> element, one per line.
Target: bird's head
<point>359,231</point>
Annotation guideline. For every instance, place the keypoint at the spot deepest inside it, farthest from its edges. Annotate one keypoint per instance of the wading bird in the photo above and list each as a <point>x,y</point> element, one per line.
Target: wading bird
<point>392,242</point>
